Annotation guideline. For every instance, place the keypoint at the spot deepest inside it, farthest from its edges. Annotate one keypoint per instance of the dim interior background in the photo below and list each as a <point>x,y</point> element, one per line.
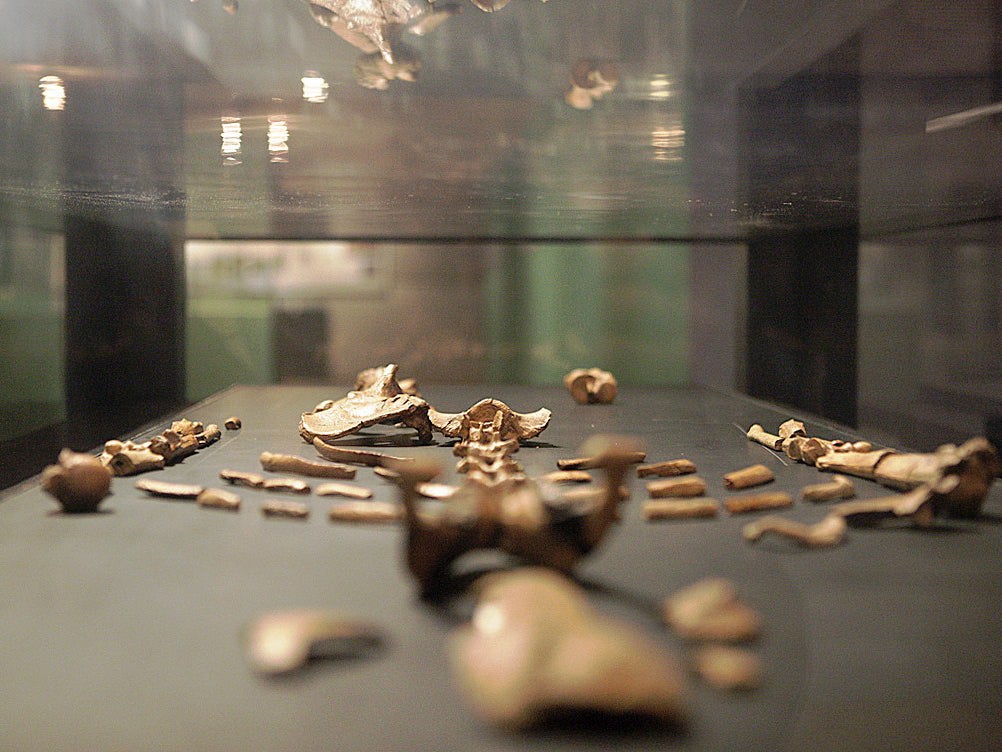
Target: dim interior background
<point>799,201</point>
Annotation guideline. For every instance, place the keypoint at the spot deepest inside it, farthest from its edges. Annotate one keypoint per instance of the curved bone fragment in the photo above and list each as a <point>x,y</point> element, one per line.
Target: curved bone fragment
<point>288,463</point>
<point>591,386</point>
<point>840,487</point>
<point>828,532</point>
<point>915,507</point>
<point>130,458</point>
<point>79,482</point>
<point>283,641</point>
<point>536,646</point>
<point>711,610</point>
<point>383,402</point>
<point>510,424</point>
<point>354,456</point>
<point>169,490</point>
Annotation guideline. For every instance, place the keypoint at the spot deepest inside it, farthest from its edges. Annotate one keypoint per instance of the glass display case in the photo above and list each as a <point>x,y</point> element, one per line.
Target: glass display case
<point>793,205</point>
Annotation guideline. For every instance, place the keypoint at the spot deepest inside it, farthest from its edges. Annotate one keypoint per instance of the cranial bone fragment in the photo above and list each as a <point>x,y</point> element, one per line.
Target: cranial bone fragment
<point>383,402</point>
<point>535,646</point>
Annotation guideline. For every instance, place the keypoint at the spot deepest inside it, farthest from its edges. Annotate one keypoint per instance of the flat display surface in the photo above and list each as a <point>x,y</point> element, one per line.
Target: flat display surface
<point>122,629</point>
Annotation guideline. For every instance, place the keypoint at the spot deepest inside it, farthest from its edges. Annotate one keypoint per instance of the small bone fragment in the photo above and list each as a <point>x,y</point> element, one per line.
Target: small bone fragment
<point>185,427</point>
<point>79,482</point>
<point>567,476</point>
<point>828,532</point>
<point>288,463</point>
<point>915,506</point>
<point>233,423</point>
<point>440,491</point>
<point>680,509</point>
<point>667,469</point>
<point>283,641</point>
<point>174,446</point>
<point>385,472</point>
<point>758,502</point>
<point>169,490</point>
<point>727,667</point>
<point>840,487</point>
<point>591,386</point>
<point>370,376</point>
<point>210,435</point>
<point>130,458</point>
<point>255,480</point>
<point>710,610</point>
<point>759,434</point>
<point>365,511</point>
<point>806,450</point>
<point>676,487</point>
<point>355,456</point>
<point>218,498</point>
<point>344,489</point>
<point>792,428</point>
<point>508,424</point>
<point>590,463</point>
<point>535,645</point>
<point>281,508</point>
<point>755,475</point>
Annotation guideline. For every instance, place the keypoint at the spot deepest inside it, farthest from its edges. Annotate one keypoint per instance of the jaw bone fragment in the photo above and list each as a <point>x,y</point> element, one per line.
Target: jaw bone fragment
<point>535,645</point>
<point>382,402</point>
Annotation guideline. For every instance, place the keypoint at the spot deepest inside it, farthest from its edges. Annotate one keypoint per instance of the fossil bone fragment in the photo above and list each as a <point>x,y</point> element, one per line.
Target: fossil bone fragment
<point>711,610</point>
<point>344,489</point>
<point>748,477</point>
<point>567,476</point>
<point>972,466</point>
<point>511,514</point>
<point>535,646</point>
<point>590,386</point>
<point>233,423</point>
<point>915,507</point>
<point>210,435</point>
<point>353,456</point>
<point>79,482</point>
<point>676,487</point>
<point>758,502</point>
<point>828,532</point>
<point>370,376</point>
<point>590,463</point>
<point>667,469</point>
<point>169,490</point>
<point>281,508</point>
<point>365,511</point>
<point>382,403</point>
<point>218,498</point>
<point>758,434</point>
<point>840,487</point>
<point>283,641</point>
<point>255,480</point>
<point>288,463</point>
<point>130,458</point>
<point>511,425</point>
<point>680,509</point>
<point>727,667</point>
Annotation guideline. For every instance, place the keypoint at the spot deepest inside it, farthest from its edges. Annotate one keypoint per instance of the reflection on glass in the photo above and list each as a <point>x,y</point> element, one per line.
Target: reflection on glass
<point>231,135</point>
<point>661,87</point>
<point>315,88</point>
<point>591,80</point>
<point>668,142</point>
<point>278,138</point>
<point>53,92</point>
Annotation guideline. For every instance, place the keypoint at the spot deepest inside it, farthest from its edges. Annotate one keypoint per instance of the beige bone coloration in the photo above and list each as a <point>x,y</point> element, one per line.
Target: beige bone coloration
<point>591,386</point>
<point>508,512</point>
<point>840,487</point>
<point>169,490</point>
<point>365,511</point>
<point>384,402</point>
<point>915,508</point>
<point>79,482</point>
<point>758,502</point>
<point>256,480</point>
<point>711,610</point>
<point>353,456</point>
<point>288,463</point>
<point>218,498</point>
<point>280,508</point>
<point>344,489</point>
<point>680,509</point>
<point>828,532</point>
<point>676,487</point>
<point>511,425</point>
<point>727,667</point>
<point>535,647</point>
<point>667,469</point>
<point>755,475</point>
<point>183,438</point>
<point>283,641</point>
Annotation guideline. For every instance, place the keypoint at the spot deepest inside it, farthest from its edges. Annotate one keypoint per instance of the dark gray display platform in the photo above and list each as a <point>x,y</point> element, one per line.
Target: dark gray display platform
<point>121,630</point>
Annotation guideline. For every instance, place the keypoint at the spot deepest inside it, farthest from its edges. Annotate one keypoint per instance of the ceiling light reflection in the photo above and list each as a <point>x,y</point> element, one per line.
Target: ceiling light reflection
<point>278,138</point>
<point>668,143</point>
<point>661,87</point>
<point>315,88</point>
<point>232,136</point>
<point>53,92</point>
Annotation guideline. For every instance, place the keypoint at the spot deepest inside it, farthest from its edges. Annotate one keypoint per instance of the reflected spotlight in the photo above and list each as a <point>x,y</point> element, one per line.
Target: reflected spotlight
<point>278,138</point>
<point>232,136</point>
<point>53,92</point>
<point>315,88</point>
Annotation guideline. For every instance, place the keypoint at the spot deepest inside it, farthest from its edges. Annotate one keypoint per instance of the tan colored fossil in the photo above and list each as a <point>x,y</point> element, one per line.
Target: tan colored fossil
<point>727,667</point>
<point>281,508</point>
<point>289,463</point>
<point>169,490</point>
<point>680,509</point>
<point>711,610</point>
<point>840,487</point>
<point>370,376</point>
<point>830,531</point>
<point>748,477</point>
<point>218,498</point>
<point>384,402</point>
<point>589,386</point>
<point>256,480</point>
<point>79,482</point>
<point>233,423</point>
<point>510,514</point>
<point>667,469</point>
<point>130,458</point>
<point>365,511</point>
<point>283,641</point>
<point>535,646</point>
<point>687,486</point>
<point>344,489</point>
<point>758,502</point>
<point>354,456</point>
<point>916,508</point>
<point>511,426</point>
